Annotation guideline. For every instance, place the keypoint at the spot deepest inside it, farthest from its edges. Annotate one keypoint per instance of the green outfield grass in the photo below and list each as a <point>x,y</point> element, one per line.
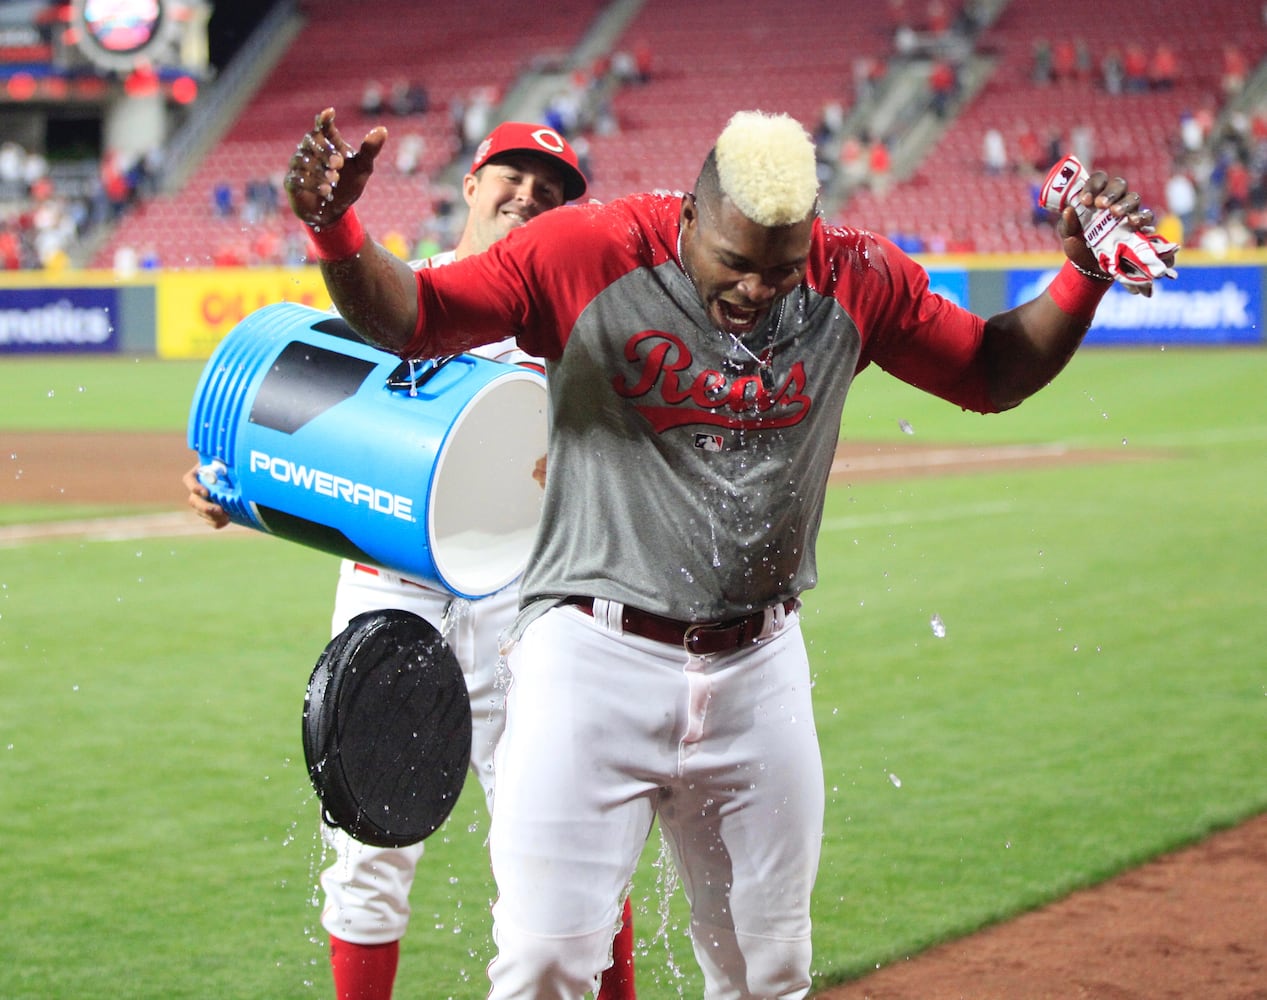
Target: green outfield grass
<point>1098,697</point>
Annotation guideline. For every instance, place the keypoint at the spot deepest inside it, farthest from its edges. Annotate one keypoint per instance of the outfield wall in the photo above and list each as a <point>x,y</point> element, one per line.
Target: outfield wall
<point>184,314</point>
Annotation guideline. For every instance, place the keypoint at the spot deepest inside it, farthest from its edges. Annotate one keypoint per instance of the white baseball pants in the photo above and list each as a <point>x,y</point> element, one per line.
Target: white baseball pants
<point>367,888</point>
<point>607,731</point>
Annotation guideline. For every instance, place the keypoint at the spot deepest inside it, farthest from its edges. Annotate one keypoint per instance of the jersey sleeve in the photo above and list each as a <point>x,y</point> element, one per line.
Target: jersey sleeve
<point>526,285</point>
<point>915,334</point>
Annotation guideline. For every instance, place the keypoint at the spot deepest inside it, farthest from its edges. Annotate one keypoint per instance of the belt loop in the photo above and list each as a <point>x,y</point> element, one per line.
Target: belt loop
<point>609,615</point>
<point>776,616</point>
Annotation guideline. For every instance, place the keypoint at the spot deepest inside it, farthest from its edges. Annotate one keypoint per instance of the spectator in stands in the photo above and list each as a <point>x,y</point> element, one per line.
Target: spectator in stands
<point>994,152</point>
<point>222,199</point>
<point>409,153</point>
<point>879,163</point>
<point>1163,70</point>
<point>831,123</point>
<point>1225,236</point>
<point>252,207</point>
<point>624,66</point>
<point>1181,201</point>
<point>1112,71</point>
<point>477,118</point>
<point>126,261</point>
<point>294,250</point>
<point>644,61</point>
<point>906,42</point>
<point>563,112</point>
<point>10,247</point>
<point>1235,69</point>
<point>1191,134</point>
<point>1236,186</point>
<point>1038,215</point>
<point>1082,143</point>
<point>868,72</point>
<point>12,170</point>
<point>943,80</point>
<point>1041,73</point>
<point>1135,68</point>
<point>1029,150</point>
<point>581,147</point>
<point>1084,62</point>
<point>372,99</point>
<point>409,97</point>
<point>853,162</point>
<point>114,184</point>
<point>34,170</point>
<point>1064,61</point>
<point>938,18</point>
<point>394,242</point>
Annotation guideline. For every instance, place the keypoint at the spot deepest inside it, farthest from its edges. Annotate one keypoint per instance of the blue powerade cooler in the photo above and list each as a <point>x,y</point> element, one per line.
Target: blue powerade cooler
<point>306,432</point>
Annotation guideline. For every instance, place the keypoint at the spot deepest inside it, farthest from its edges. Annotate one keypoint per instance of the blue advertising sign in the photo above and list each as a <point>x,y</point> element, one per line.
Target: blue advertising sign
<point>950,283</point>
<point>40,320</point>
<point>1205,305</point>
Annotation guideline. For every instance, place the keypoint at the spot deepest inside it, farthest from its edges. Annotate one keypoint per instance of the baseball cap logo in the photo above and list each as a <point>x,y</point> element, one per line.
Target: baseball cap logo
<point>548,138</point>
<point>540,140</point>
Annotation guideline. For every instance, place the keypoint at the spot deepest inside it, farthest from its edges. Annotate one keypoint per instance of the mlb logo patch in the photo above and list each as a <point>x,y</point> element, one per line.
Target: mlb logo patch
<point>709,442</point>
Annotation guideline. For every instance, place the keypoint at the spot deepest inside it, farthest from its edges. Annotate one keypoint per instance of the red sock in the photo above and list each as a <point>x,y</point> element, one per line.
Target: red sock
<point>363,971</point>
<point>618,981</point>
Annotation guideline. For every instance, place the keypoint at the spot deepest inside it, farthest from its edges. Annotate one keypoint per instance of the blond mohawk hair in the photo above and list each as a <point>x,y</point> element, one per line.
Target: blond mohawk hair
<point>766,166</point>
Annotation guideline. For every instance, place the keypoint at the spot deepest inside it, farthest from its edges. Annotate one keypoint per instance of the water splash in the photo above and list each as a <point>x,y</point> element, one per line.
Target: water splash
<point>666,885</point>
<point>938,626</point>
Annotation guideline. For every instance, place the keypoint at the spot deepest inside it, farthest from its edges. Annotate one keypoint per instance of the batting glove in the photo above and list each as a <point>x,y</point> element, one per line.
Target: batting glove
<point>1128,255</point>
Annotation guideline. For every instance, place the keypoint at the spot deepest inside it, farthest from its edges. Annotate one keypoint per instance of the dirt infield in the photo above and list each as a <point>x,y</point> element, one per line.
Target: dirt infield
<point>1189,926</point>
<point>91,468</point>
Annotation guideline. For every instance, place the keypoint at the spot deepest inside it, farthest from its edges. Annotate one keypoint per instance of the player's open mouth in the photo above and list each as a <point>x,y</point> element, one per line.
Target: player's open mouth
<point>736,319</point>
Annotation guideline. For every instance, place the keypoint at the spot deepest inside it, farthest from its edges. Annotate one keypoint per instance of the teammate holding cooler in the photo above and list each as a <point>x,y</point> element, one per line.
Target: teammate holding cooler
<point>519,171</point>
<point>699,348</point>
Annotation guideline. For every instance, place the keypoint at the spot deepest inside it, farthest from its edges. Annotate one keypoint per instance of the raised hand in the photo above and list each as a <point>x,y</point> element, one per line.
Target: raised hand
<point>1102,216</point>
<point>326,174</point>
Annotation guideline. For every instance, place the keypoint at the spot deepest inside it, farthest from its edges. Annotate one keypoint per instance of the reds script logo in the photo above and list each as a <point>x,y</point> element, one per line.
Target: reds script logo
<point>708,397</point>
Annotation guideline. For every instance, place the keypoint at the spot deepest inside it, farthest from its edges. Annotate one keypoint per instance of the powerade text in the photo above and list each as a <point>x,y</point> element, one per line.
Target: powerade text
<point>327,484</point>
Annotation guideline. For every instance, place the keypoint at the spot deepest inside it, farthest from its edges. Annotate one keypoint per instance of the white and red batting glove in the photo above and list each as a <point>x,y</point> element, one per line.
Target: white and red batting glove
<point>1128,255</point>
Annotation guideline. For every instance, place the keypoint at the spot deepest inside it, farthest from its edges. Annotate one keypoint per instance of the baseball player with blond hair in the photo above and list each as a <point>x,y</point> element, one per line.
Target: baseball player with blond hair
<point>518,172</point>
<point>699,348</point>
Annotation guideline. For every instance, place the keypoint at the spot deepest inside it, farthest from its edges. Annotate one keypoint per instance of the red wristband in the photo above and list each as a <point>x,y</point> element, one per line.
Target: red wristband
<point>338,241</point>
<point>1077,293</point>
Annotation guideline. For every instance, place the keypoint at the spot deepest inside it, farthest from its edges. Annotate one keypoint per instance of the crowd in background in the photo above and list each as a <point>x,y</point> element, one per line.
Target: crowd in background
<point>44,214</point>
<point>1216,196</point>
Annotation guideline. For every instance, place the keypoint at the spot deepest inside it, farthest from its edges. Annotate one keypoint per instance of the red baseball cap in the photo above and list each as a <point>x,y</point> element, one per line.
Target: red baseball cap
<point>540,140</point>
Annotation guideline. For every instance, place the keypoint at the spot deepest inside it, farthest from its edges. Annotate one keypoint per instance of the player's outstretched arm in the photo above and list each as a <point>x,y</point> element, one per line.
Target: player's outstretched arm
<point>373,289</point>
<point>1028,346</point>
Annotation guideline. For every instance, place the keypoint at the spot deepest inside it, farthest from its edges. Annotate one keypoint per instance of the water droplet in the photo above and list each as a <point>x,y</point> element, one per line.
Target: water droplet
<point>906,427</point>
<point>938,626</point>
<point>896,781</point>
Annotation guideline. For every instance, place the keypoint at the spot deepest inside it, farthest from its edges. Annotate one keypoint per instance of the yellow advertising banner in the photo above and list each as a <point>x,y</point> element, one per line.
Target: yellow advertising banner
<point>195,309</point>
